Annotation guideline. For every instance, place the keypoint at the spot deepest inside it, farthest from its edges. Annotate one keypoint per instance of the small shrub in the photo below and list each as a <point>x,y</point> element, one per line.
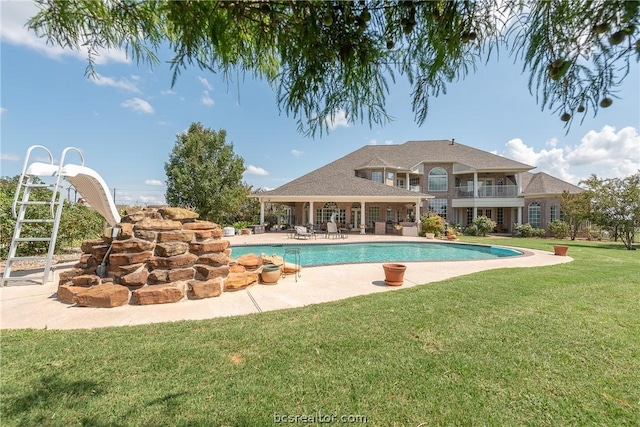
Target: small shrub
<point>593,233</point>
<point>432,223</point>
<point>238,225</point>
<point>471,230</point>
<point>559,229</point>
<point>539,232</point>
<point>527,230</point>
<point>483,225</point>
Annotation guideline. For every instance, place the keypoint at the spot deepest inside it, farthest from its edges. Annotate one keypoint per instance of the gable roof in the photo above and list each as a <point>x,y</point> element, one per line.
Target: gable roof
<point>543,183</point>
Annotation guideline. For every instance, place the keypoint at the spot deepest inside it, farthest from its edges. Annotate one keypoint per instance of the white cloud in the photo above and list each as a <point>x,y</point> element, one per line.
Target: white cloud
<point>338,118</point>
<point>206,99</point>
<point>153,182</point>
<point>139,105</point>
<point>123,83</point>
<point>255,170</point>
<point>10,157</point>
<point>168,92</point>
<point>604,153</point>
<point>3,110</point>
<point>296,153</point>
<point>15,15</point>
<point>205,83</point>
<point>373,141</point>
<point>388,142</point>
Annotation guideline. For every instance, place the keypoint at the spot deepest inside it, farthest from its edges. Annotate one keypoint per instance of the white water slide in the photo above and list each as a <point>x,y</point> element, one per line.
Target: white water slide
<point>89,184</point>
<point>86,181</point>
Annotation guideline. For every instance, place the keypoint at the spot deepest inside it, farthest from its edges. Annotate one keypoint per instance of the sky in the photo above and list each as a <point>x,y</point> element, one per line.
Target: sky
<point>125,121</point>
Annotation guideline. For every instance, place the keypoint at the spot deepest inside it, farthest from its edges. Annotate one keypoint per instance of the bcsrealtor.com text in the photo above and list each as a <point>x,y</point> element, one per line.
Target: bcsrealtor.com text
<point>318,418</point>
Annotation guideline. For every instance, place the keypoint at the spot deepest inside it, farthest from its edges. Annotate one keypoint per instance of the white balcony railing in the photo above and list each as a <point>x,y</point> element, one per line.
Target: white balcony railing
<point>489,191</point>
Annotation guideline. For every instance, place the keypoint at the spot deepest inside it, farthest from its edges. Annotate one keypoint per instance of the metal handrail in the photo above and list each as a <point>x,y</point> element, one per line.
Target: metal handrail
<point>59,174</point>
<point>24,169</point>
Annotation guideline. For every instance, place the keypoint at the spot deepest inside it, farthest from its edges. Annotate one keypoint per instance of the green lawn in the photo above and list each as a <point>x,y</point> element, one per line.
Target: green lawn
<point>550,346</point>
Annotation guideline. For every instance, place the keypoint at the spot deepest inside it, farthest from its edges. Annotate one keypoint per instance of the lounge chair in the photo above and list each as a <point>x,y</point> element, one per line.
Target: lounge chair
<point>303,232</point>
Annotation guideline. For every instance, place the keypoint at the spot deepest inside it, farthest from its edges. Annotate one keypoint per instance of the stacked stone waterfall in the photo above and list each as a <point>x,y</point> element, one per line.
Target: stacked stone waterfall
<point>158,256</point>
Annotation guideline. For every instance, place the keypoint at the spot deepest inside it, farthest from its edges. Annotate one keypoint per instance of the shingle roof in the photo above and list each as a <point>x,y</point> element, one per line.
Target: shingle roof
<point>543,183</point>
<point>338,177</point>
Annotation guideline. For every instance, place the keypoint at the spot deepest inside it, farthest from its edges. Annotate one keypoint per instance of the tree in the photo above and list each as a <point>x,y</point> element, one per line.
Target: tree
<point>615,205</point>
<point>328,56</point>
<point>575,207</point>
<point>203,173</point>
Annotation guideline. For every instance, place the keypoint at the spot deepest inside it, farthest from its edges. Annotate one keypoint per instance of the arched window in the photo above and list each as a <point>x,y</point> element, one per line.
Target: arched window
<point>324,214</point>
<point>533,214</point>
<point>437,180</point>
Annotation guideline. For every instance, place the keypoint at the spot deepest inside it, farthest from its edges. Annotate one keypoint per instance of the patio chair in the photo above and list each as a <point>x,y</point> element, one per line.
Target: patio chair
<point>303,232</point>
<point>332,230</point>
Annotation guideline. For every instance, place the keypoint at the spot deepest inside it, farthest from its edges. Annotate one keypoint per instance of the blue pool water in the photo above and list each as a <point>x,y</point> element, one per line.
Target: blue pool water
<point>352,253</point>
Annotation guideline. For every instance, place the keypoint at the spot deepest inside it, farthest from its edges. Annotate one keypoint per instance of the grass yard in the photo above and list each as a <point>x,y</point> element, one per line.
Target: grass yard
<point>550,346</point>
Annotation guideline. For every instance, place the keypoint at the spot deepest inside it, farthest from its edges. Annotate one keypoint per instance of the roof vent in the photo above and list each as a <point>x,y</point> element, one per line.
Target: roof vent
<point>453,141</point>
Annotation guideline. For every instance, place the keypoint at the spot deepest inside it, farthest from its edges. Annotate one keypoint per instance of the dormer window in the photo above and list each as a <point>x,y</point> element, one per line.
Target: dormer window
<point>376,176</point>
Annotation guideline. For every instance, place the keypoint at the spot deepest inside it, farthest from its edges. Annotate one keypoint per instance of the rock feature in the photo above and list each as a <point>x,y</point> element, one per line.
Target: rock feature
<point>238,281</point>
<point>207,289</point>
<point>105,295</point>
<point>159,294</point>
<point>250,261</point>
<point>158,256</point>
<point>154,255</point>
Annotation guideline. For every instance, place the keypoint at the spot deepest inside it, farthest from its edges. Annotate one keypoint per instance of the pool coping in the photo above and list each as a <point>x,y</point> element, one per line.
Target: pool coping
<point>36,306</point>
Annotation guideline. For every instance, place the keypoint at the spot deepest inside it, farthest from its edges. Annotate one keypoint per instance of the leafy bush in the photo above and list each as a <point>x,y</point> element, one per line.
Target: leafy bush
<point>240,225</point>
<point>527,230</point>
<point>559,229</point>
<point>471,230</point>
<point>483,225</point>
<point>432,223</point>
<point>593,233</point>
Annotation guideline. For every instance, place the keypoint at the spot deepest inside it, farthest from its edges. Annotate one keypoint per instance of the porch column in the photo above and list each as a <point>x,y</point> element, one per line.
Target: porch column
<point>519,216</point>
<point>362,218</point>
<point>310,213</point>
<point>261,212</point>
<point>418,203</point>
<point>407,182</point>
<point>475,190</point>
<point>475,212</point>
<point>519,184</point>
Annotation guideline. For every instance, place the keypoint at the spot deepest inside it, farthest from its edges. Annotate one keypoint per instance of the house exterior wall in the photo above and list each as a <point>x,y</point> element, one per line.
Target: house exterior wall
<point>545,210</point>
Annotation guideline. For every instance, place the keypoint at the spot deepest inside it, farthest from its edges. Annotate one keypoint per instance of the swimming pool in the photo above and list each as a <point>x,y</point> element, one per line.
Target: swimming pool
<point>352,253</point>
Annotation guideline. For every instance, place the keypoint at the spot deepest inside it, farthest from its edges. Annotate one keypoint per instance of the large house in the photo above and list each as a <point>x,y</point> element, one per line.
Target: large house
<point>398,183</point>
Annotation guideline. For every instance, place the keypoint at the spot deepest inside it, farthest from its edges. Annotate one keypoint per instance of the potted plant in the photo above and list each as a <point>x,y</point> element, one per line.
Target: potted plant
<point>394,274</point>
<point>270,274</point>
<point>451,234</point>
<point>560,250</point>
<point>432,225</point>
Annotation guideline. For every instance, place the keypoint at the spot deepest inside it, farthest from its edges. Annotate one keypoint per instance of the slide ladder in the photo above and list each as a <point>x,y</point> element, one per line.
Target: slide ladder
<point>48,175</point>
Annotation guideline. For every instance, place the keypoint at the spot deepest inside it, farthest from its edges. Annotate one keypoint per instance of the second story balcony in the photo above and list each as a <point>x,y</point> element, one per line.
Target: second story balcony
<point>488,191</point>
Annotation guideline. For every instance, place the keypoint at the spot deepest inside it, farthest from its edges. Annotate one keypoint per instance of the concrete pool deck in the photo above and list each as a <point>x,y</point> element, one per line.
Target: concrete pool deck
<point>28,305</point>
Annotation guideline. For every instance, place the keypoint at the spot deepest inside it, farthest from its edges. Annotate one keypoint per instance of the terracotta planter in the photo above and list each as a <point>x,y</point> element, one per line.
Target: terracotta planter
<point>394,274</point>
<point>451,237</point>
<point>270,274</point>
<point>560,250</point>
